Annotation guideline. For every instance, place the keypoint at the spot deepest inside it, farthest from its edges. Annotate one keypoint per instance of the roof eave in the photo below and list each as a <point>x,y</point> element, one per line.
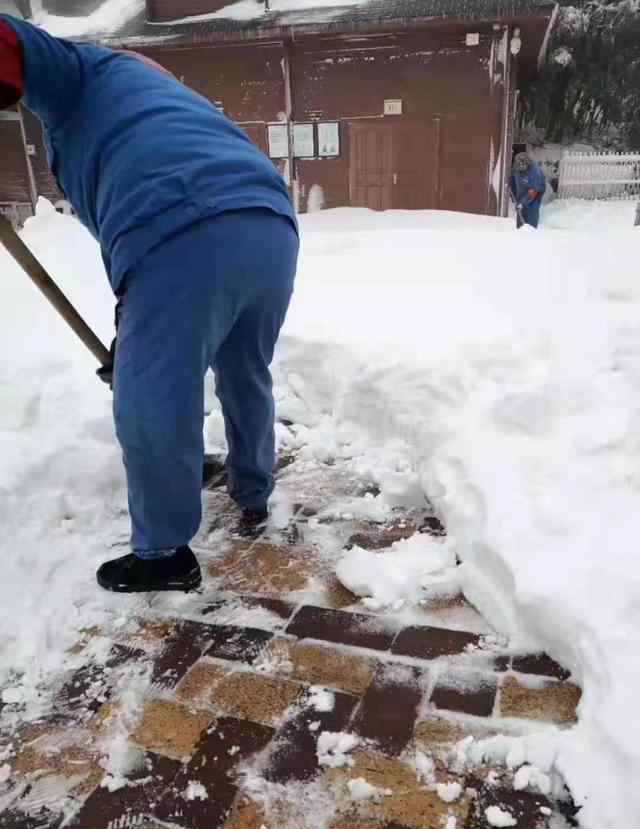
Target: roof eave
<point>291,33</point>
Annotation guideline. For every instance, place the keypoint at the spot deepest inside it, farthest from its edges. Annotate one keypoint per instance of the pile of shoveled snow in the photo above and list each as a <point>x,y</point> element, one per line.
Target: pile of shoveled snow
<point>496,372</point>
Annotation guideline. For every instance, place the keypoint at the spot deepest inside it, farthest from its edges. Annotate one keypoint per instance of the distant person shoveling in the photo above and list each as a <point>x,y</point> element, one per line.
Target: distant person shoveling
<point>527,184</point>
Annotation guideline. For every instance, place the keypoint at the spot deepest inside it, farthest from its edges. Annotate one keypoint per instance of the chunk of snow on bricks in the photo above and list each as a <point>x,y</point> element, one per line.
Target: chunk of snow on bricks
<point>5,773</point>
<point>449,792</point>
<point>195,791</point>
<point>321,700</point>
<point>12,696</point>
<point>425,768</point>
<point>361,790</point>
<point>498,817</point>
<point>531,777</point>
<point>451,823</point>
<point>333,748</point>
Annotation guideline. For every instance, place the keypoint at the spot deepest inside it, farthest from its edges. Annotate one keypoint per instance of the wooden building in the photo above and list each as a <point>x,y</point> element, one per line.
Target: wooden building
<point>406,104</point>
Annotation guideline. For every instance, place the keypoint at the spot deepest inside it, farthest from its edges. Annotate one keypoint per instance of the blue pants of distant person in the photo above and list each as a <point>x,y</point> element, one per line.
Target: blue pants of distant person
<point>530,214</point>
<point>215,295</point>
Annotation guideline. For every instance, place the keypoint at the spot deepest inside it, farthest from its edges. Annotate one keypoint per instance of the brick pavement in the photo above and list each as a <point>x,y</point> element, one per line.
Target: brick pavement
<point>225,733</point>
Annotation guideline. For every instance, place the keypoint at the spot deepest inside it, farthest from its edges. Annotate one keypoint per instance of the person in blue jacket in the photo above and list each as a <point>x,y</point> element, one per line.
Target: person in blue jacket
<point>200,243</point>
<point>528,184</point>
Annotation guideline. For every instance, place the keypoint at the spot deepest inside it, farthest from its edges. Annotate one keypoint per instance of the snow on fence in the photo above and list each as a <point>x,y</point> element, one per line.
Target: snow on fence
<point>599,176</point>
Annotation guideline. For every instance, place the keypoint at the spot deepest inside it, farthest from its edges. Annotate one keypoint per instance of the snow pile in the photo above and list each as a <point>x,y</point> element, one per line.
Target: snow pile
<point>360,790</point>
<point>509,364</point>
<point>334,747</point>
<point>499,817</point>
<point>449,792</point>
<point>321,700</point>
<point>111,15</point>
<point>497,373</point>
<point>389,579</point>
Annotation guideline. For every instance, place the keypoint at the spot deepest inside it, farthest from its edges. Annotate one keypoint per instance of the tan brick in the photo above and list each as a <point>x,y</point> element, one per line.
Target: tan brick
<point>201,680</point>
<point>420,808</point>
<point>264,568</point>
<point>255,697</point>
<point>356,823</point>
<point>336,595</point>
<point>53,753</point>
<point>410,803</point>
<point>554,702</point>
<point>434,732</point>
<point>170,728</point>
<point>245,814</point>
<point>151,632</point>
<point>319,665</point>
<point>381,536</point>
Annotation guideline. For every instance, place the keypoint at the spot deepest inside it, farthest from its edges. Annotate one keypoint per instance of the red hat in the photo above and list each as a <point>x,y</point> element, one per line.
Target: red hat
<point>11,74</point>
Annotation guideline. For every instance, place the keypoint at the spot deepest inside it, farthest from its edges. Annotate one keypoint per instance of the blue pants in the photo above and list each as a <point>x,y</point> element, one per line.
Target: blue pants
<point>214,296</point>
<point>530,214</point>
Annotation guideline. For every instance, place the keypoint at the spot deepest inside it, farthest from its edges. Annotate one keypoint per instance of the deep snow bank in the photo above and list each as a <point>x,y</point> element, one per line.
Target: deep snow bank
<point>509,365</point>
<point>497,372</point>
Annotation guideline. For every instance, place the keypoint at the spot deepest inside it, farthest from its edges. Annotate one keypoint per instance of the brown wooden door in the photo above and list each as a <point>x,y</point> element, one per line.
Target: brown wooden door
<point>392,165</point>
<point>371,167</point>
<point>414,167</point>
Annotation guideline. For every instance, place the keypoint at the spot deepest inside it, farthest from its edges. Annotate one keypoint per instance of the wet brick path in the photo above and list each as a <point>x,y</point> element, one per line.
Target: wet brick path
<point>238,682</point>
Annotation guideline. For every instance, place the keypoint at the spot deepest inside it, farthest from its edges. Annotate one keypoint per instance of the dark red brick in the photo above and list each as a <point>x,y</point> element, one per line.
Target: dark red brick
<point>226,743</point>
<point>104,809</point>
<point>182,649</point>
<point>90,686</point>
<point>430,642</point>
<point>237,644</point>
<point>43,819</point>
<point>502,663</point>
<point>175,807</point>
<point>523,806</point>
<point>294,755</point>
<point>540,664</point>
<point>432,526</point>
<point>470,695</point>
<point>389,709</point>
<point>342,628</point>
<point>283,610</point>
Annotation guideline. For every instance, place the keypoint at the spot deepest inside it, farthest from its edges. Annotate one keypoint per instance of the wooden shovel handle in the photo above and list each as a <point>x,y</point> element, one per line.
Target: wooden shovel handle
<point>38,275</point>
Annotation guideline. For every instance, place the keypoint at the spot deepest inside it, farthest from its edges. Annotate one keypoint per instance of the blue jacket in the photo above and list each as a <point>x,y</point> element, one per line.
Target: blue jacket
<point>138,154</point>
<point>532,179</point>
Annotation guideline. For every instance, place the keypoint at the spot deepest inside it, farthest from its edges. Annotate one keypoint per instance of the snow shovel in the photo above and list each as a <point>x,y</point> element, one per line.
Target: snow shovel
<point>38,275</point>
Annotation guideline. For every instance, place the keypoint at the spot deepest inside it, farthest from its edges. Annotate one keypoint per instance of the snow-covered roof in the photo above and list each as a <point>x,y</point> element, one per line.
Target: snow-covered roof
<point>126,20</point>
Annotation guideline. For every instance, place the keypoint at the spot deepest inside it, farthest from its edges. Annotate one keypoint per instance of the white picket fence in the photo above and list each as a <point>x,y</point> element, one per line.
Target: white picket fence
<point>599,176</point>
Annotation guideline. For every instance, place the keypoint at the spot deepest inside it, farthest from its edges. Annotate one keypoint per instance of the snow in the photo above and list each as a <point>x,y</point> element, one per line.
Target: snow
<point>321,700</point>
<point>400,575</point>
<point>195,791</point>
<point>449,792</point>
<point>531,777</point>
<point>496,372</point>
<point>360,790</point>
<point>498,817</point>
<point>334,747</point>
<point>111,15</point>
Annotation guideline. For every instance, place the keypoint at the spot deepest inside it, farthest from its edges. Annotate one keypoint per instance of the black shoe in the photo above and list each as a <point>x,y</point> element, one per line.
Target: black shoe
<point>130,574</point>
<point>252,523</point>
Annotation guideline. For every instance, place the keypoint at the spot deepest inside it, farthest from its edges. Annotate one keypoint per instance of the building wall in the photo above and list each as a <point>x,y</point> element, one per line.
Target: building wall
<point>440,152</point>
